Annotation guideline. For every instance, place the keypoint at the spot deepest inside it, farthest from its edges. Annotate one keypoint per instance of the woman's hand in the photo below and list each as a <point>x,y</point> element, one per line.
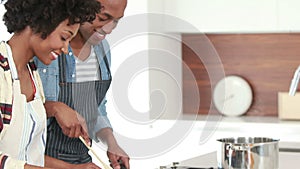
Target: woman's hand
<point>27,166</point>
<point>71,123</point>
<point>85,166</point>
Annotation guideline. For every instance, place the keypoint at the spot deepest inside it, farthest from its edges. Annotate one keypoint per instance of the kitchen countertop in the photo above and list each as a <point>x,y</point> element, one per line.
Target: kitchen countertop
<point>288,132</point>
<point>286,160</point>
<point>191,146</point>
<point>247,119</point>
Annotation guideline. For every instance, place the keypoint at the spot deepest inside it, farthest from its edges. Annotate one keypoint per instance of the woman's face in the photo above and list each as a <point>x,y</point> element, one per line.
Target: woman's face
<point>55,44</point>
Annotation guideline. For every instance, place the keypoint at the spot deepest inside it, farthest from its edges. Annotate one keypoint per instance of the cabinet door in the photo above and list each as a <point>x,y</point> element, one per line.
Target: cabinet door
<point>225,15</point>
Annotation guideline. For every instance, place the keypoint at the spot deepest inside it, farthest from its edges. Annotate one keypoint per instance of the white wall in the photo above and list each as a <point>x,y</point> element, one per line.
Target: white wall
<point>128,41</point>
<point>232,16</point>
<point>4,34</point>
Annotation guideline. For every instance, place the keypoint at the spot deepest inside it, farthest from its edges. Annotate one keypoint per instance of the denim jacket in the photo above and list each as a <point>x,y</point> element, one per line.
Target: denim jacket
<point>50,78</point>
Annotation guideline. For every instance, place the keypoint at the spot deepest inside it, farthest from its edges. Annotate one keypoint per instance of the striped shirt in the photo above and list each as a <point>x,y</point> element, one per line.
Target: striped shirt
<point>88,69</point>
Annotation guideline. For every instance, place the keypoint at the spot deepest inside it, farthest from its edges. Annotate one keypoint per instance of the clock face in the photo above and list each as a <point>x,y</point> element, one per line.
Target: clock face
<point>232,96</point>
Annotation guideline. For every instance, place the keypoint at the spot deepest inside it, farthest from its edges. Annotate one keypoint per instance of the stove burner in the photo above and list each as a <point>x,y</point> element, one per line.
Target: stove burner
<point>175,165</point>
<point>180,167</point>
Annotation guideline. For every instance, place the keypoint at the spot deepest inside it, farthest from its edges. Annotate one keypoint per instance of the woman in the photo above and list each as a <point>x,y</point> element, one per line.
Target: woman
<point>41,28</point>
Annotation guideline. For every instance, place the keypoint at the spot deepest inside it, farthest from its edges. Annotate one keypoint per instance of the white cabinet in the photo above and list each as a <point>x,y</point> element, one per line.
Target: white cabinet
<point>289,15</point>
<point>222,16</point>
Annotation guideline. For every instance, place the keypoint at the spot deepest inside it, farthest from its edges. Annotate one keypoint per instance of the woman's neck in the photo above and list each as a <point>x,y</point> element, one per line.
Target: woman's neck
<point>21,52</point>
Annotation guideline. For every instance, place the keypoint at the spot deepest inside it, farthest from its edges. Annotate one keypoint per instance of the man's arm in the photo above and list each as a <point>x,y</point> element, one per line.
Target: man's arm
<point>70,121</point>
<point>105,133</point>
<point>115,153</point>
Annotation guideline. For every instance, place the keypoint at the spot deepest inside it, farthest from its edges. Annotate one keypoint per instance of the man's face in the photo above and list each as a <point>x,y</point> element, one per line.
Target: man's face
<point>105,22</point>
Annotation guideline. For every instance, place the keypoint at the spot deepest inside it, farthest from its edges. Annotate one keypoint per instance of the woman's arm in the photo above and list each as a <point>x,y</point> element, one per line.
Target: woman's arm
<point>59,164</point>
<point>71,123</point>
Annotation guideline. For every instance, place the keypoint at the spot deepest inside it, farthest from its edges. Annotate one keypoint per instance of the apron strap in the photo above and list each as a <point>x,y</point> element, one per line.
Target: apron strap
<point>62,69</point>
<point>105,59</point>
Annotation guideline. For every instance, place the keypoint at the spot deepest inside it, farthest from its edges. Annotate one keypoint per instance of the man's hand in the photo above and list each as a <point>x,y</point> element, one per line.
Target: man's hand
<point>115,153</point>
<point>117,156</point>
<point>71,123</point>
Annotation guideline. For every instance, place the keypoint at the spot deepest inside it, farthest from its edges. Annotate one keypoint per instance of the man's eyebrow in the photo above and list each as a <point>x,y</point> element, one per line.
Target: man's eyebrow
<point>108,16</point>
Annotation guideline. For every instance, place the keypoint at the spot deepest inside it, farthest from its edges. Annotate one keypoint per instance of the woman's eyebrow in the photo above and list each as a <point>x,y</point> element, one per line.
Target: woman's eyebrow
<point>71,33</point>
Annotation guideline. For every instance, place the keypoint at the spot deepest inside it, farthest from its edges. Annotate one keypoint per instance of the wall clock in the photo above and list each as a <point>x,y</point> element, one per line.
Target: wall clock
<point>232,96</point>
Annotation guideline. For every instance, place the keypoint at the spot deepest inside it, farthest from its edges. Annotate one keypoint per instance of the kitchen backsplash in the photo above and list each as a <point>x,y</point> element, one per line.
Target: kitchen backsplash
<point>266,61</point>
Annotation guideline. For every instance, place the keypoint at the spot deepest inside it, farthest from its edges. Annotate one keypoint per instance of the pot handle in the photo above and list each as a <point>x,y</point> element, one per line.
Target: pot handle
<point>237,147</point>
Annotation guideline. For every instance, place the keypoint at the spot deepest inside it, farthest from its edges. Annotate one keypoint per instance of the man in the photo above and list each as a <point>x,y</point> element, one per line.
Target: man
<point>84,77</point>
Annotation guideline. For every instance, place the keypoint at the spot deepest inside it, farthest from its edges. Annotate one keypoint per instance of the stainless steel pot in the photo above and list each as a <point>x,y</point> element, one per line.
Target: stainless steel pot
<point>248,153</point>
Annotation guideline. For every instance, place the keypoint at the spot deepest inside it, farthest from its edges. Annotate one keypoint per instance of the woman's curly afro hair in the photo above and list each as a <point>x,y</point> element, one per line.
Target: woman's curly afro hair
<point>43,16</point>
